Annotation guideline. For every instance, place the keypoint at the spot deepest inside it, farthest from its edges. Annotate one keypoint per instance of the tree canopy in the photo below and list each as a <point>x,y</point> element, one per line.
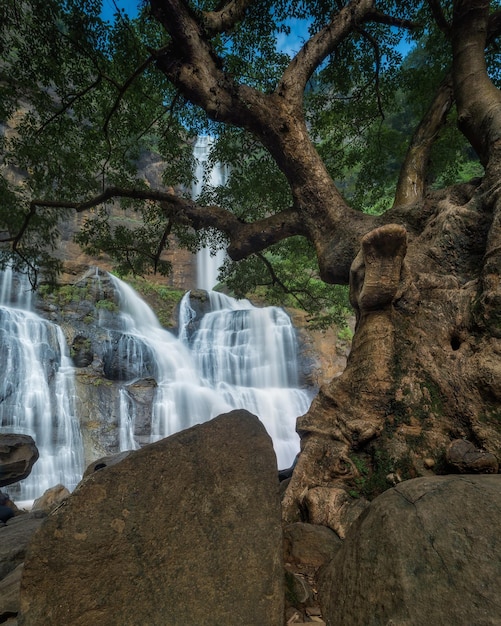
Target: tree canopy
<point>325,133</point>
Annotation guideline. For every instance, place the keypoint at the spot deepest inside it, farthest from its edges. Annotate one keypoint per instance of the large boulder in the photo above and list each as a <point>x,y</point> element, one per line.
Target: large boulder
<point>18,453</point>
<point>184,531</point>
<point>426,552</point>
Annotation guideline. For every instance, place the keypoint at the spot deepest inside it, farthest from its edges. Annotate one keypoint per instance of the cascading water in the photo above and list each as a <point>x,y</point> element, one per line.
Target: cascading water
<point>233,355</point>
<point>37,391</point>
<point>248,355</point>
<point>147,348</point>
<point>239,357</point>
<point>208,261</point>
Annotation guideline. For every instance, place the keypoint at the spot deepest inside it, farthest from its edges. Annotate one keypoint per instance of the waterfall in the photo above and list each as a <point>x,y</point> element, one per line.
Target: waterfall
<point>248,355</point>
<point>240,356</point>
<point>208,261</point>
<point>148,349</point>
<point>230,355</point>
<point>37,391</point>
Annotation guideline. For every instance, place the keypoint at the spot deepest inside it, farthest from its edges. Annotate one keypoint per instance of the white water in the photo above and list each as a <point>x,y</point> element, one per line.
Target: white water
<point>208,261</point>
<point>240,357</point>
<point>37,392</point>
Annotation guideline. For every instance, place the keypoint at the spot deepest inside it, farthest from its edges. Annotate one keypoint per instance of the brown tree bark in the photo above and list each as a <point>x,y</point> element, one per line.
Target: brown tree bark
<point>424,368</point>
<point>411,184</point>
<point>276,119</point>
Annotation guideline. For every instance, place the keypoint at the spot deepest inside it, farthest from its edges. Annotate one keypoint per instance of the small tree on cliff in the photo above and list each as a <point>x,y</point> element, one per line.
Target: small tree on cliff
<point>424,275</point>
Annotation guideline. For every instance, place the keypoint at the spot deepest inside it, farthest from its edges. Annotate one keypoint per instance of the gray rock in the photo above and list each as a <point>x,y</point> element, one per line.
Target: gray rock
<point>9,593</point>
<point>309,545</point>
<point>18,453</point>
<point>184,531</point>
<point>14,538</point>
<point>465,458</point>
<point>427,552</point>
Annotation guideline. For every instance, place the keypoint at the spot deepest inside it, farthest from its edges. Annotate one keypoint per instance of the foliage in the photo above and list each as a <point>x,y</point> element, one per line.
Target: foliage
<point>63,295</point>
<point>163,300</point>
<point>287,275</point>
<point>107,305</point>
<point>83,104</point>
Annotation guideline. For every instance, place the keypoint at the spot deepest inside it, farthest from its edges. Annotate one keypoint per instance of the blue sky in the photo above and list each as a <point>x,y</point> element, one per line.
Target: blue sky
<point>289,44</point>
<point>109,9</point>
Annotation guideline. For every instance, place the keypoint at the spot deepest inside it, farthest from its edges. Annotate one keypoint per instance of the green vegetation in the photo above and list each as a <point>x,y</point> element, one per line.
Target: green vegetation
<point>287,275</point>
<point>97,85</point>
<point>375,470</point>
<point>107,305</point>
<point>161,298</point>
<point>373,474</point>
<point>80,344</point>
<point>345,333</point>
<point>65,294</point>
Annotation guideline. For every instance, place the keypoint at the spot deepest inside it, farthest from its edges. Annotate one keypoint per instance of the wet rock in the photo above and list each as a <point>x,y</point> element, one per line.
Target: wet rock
<point>18,453</point>
<point>426,552</point>
<point>465,458</point>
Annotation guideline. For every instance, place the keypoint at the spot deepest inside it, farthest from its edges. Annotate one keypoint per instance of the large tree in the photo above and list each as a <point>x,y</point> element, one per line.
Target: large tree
<point>297,128</point>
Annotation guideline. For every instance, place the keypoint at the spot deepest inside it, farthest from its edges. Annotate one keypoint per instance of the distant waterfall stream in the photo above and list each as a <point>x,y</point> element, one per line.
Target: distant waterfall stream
<point>208,261</point>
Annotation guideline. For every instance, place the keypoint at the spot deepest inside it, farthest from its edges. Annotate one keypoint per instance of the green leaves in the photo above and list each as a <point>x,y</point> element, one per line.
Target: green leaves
<point>287,275</point>
<point>83,105</point>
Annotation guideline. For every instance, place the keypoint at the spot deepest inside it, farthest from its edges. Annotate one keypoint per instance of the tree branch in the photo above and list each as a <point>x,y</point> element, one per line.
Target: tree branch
<point>478,100</point>
<point>412,179</point>
<point>374,15</point>
<point>161,246</point>
<point>494,26</point>
<point>122,89</point>
<point>276,281</point>
<point>69,104</point>
<point>277,121</point>
<point>192,65</point>
<point>244,238</point>
<point>439,17</point>
<point>377,56</point>
<point>223,20</point>
<point>318,47</point>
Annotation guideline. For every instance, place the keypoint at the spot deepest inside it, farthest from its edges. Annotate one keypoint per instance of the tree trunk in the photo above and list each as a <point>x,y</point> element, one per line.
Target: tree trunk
<point>425,367</point>
<point>424,373</point>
